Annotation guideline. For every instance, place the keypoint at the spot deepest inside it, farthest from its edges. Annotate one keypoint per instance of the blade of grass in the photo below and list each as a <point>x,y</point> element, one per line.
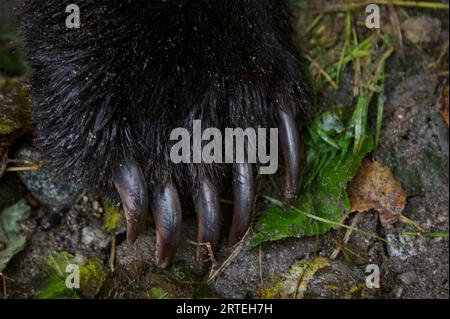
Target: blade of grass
<point>430,234</point>
<point>348,33</point>
<point>380,109</point>
<point>323,220</point>
<point>363,4</point>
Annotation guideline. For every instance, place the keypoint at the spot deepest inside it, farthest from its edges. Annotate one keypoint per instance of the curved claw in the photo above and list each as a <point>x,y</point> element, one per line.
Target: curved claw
<point>168,217</point>
<point>290,141</point>
<point>207,206</point>
<point>244,196</point>
<point>130,184</point>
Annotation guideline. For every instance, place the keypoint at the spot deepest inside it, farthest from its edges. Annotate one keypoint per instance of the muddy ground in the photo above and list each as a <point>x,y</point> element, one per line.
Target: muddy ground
<point>414,145</point>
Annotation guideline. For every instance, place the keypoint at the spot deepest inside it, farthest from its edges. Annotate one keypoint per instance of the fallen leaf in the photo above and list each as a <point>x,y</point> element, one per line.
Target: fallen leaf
<point>11,238</point>
<point>443,104</point>
<point>92,276</point>
<point>376,188</point>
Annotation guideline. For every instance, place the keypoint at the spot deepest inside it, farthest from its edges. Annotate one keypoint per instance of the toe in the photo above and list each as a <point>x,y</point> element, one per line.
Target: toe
<point>207,206</point>
<point>130,184</point>
<point>290,141</point>
<point>168,217</point>
<point>244,196</point>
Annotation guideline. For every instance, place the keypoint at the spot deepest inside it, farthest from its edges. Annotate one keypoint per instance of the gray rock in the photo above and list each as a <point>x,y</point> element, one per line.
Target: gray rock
<point>95,237</point>
<point>422,29</point>
<point>408,278</point>
<point>403,246</point>
<point>45,184</point>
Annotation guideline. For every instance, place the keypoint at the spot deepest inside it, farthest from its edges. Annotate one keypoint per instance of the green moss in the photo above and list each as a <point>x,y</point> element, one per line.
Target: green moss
<point>15,107</point>
<point>93,274</point>
<point>113,217</point>
<point>157,293</point>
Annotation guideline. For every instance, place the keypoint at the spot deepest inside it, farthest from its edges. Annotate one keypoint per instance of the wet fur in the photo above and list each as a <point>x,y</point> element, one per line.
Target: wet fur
<point>114,89</point>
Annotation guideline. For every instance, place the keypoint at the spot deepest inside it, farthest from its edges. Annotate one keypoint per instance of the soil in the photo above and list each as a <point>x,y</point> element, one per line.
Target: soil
<point>414,145</point>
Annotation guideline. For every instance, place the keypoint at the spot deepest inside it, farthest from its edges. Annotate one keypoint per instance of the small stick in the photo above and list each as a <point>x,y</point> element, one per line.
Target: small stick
<point>112,256</point>
<point>23,169</point>
<point>210,253</point>
<point>442,74</point>
<point>395,22</point>
<point>322,71</point>
<point>441,56</point>
<point>347,236</point>
<point>299,282</point>
<point>363,4</point>
<point>237,250</point>
<point>412,223</point>
<point>33,166</point>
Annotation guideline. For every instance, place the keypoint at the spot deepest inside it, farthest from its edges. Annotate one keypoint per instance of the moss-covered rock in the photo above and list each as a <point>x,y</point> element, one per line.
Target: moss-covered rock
<point>15,107</point>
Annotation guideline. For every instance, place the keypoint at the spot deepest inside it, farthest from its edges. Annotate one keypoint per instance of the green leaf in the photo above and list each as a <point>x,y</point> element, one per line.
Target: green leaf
<point>55,289</point>
<point>11,236</point>
<point>324,190</point>
<point>92,276</point>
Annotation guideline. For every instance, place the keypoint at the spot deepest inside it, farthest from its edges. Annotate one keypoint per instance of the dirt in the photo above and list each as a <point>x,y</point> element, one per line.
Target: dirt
<point>414,145</point>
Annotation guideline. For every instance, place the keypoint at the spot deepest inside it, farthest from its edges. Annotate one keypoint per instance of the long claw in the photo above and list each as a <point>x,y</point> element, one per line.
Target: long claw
<point>168,217</point>
<point>290,141</point>
<point>244,196</point>
<point>130,184</point>
<point>207,206</point>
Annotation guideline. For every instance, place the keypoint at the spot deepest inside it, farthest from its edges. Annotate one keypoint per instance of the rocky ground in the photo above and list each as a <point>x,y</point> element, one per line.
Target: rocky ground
<point>414,145</point>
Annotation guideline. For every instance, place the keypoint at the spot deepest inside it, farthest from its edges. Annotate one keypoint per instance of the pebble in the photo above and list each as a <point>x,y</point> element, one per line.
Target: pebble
<point>408,278</point>
<point>95,237</point>
<point>46,185</point>
<point>403,246</point>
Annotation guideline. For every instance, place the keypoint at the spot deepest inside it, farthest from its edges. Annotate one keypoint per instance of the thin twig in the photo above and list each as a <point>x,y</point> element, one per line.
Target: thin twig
<point>395,22</point>
<point>442,74</point>
<point>23,169</point>
<point>210,253</point>
<point>237,250</point>
<point>316,64</point>
<point>438,62</point>
<point>32,166</point>
<point>347,236</point>
<point>412,223</point>
<point>363,4</point>
<point>299,282</point>
<point>112,256</point>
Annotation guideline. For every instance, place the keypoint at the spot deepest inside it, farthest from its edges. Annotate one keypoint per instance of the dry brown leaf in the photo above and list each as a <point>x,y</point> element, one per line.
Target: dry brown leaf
<point>443,104</point>
<point>375,187</point>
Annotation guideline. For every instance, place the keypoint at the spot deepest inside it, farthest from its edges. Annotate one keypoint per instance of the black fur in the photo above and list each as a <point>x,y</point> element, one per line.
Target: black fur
<point>137,69</point>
